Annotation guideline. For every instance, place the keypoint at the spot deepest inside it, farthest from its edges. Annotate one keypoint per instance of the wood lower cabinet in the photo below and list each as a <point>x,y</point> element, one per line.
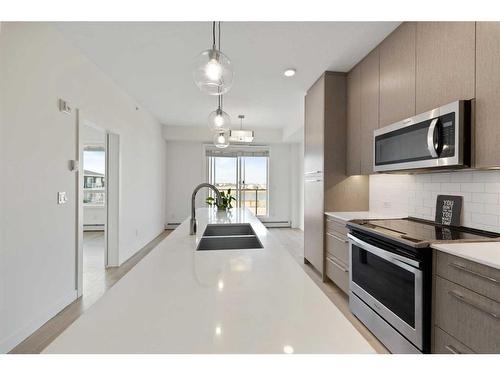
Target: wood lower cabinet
<point>445,63</point>
<point>397,75</point>
<point>466,308</point>
<point>369,108</point>
<point>337,253</point>
<point>353,155</point>
<point>487,129</point>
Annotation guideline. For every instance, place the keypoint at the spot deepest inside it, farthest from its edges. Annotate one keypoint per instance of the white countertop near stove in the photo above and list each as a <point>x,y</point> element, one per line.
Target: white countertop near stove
<point>487,253</point>
<point>359,215</point>
<point>179,300</point>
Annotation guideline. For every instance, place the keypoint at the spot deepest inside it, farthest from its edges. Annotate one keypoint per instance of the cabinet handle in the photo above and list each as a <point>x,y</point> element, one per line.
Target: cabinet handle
<point>318,180</point>
<point>336,237</point>
<point>452,349</point>
<point>465,269</point>
<point>336,264</point>
<point>313,172</point>
<point>462,299</point>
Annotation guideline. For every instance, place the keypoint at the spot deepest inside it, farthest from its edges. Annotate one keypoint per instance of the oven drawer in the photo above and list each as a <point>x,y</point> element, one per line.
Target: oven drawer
<point>477,277</point>
<point>446,344</point>
<point>336,227</point>
<point>338,273</point>
<point>337,247</point>
<point>469,317</point>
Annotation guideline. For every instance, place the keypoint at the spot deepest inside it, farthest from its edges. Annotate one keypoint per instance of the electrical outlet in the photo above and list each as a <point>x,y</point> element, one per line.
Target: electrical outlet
<point>62,198</point>
<point>387,204</point>
<point>137,232</point>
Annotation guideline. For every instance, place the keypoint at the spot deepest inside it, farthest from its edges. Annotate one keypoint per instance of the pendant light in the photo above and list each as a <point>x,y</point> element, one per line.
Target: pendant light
<point>218,119</point>
<point>241,135</point>
<point>221,139</point>
<point>213,71</point>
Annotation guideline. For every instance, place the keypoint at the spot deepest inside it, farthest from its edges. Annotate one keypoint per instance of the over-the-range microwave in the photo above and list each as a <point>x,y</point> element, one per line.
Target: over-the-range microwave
<point>440,138</point>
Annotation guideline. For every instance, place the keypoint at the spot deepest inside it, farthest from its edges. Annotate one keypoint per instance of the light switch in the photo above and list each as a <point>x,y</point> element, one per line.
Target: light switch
<point>62,197</point>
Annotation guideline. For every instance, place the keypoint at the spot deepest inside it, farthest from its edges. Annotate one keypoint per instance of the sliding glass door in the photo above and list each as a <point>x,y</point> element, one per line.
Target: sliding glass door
<point>246,176</point>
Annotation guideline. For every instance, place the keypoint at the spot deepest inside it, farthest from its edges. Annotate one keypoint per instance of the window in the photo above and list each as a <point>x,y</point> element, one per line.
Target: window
<point>94,169</point>
<point>245,173</point>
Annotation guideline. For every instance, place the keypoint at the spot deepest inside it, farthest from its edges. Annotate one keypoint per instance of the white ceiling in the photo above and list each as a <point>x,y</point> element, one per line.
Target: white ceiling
<point>153,61</point>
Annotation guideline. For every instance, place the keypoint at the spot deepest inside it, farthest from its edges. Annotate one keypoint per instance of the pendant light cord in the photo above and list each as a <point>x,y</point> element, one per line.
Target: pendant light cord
<point>219,36</point>
<point>213,35</point>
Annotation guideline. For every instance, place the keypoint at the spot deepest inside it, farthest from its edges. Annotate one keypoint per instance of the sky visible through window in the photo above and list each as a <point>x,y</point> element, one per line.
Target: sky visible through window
<point>255,170</point>
<point>94,161</point>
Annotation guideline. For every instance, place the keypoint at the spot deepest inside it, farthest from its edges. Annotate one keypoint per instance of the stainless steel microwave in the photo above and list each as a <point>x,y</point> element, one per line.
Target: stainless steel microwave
<point>440,138</point>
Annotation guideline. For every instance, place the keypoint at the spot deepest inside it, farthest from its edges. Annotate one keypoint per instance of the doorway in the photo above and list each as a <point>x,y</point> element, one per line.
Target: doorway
<point>97,208</point>
<point>246,174</point>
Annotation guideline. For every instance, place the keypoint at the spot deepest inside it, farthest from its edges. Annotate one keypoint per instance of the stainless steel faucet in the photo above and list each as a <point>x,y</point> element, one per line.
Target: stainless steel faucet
<point>192,227</point>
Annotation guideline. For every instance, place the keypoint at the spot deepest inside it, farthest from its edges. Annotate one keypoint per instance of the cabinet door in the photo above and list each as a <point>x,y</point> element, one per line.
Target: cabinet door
<point>314,127</point>
<point>397,75</point>
<point>445,55</point>
<point>487,94</point>
<point>353,122</point>
<point>369,108</point>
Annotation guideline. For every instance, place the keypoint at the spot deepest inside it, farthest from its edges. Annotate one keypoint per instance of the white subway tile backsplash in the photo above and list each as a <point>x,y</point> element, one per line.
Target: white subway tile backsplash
<point>440,177</point>
<point>472,187</point>
<point>416,195</point>
<point>485,198</point>
<point>493,209</point>
<point>451,186</point>
<point>492,187</point>
<point>432,186</point>
<point>461,177</point>
<point>486,219</point>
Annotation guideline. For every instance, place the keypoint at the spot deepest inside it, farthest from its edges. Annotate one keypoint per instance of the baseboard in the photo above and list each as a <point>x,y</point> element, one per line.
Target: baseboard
<point>16,338</point>
<point>277,224</point>
<point>172,225</point>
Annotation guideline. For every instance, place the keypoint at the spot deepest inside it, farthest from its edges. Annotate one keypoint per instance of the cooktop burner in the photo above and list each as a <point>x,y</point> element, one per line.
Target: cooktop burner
<point>418,231</point>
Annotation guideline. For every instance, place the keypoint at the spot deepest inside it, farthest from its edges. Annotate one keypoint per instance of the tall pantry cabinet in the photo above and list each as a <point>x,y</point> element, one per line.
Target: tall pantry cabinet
<point>326,185</point>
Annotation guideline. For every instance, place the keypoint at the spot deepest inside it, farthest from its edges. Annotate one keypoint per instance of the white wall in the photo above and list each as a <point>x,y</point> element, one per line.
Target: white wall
<point>37,252</point>
<point>186,168</point>
<point>417,194</point>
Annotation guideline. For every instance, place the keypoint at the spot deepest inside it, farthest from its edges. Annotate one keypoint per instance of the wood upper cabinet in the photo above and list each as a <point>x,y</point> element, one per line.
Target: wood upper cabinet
<point>314,127</point>
<point>369,97</point>
<point>487,126</point>
<point>353,154</point>
<point>445,61</point>
<point>397,75</point>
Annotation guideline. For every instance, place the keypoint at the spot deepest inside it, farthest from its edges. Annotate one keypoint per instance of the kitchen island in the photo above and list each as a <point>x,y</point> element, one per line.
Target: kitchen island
<point>180,300</point>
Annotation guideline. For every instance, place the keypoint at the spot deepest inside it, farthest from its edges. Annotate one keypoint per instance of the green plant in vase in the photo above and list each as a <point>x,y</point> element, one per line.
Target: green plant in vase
<point>225,201</point>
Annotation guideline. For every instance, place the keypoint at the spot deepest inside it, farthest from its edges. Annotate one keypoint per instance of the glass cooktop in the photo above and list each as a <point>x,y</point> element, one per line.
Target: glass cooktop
<point>417,230</point>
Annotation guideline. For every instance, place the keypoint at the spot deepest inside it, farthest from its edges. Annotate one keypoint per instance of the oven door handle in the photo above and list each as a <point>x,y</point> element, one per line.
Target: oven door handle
<point>401,261</point>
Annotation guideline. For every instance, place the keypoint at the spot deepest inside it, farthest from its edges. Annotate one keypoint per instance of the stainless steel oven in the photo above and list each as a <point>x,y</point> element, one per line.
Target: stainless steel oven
<point>440,138</point>
<point>386,285</point>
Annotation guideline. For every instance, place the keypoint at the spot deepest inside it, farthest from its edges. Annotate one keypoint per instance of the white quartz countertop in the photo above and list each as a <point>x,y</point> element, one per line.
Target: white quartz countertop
<point>359,215</point>
<point>179,300</point>
<point>487,253</point>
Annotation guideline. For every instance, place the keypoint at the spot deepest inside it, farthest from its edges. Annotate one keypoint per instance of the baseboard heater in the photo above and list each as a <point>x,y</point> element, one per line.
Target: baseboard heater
<point>277,224</point>
<point>93,227</point>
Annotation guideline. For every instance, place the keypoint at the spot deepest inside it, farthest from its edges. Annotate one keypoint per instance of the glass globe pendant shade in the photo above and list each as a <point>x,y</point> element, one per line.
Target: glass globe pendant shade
<point>219,120</point>
<point>221,139</point>
<point>213,72</point>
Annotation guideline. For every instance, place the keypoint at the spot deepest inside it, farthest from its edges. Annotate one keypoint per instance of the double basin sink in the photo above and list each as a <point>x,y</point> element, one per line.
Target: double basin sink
<point>229,237</point>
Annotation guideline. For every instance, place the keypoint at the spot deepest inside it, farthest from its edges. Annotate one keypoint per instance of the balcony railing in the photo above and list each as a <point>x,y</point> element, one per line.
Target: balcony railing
<point>253,198</point>
<point>256,200</point>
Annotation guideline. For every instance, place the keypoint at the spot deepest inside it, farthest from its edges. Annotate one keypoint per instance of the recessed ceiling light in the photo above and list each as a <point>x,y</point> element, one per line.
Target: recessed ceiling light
<point>289,72</point>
